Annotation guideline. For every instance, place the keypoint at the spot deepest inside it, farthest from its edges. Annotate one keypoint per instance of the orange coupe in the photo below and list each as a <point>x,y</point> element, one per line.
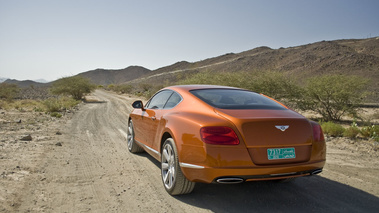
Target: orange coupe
<point>217,134</point>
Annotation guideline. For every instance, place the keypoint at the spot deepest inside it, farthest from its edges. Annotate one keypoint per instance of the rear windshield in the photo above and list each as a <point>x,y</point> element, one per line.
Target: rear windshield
<point>235,99</point>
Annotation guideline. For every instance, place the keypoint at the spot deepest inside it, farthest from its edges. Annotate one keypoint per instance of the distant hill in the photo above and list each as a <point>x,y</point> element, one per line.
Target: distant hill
<point>105,77</point>
<point>41,81</point>
<point>98,76</point>
<point>26,83</point>
<point>3,79</point>
<point>352,57</point>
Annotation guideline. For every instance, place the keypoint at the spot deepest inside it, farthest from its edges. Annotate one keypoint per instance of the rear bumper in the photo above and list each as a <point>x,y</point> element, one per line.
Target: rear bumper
<point>211,175</point>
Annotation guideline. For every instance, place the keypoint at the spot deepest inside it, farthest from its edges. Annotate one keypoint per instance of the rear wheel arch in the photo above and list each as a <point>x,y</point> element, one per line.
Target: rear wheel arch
<point>164,137</point>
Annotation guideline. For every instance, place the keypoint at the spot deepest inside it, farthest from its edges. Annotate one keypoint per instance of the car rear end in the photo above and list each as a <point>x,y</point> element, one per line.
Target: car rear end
<point>255,143</point>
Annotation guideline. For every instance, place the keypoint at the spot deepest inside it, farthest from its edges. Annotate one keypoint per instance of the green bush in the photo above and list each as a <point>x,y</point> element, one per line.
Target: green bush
<point>56,114</point>
<point>333,95</point>
<point>370,132</point>
<point>123,88</point>
<point>8,91</point>
<point>75,86</point>
<point>59,104</point>
<point>351,132</point>
<point>52,105</point>
<point>332,129</point>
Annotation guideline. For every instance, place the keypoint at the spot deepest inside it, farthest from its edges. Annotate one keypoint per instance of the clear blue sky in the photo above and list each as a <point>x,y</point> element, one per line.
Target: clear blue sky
<point>50,39</point>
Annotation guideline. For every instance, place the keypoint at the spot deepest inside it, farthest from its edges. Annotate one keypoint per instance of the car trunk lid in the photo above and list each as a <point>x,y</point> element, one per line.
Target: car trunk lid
<point>273,136</point>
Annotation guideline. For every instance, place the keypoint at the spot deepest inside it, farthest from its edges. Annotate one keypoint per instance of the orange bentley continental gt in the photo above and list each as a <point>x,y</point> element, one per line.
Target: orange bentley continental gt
<point>217,134</point>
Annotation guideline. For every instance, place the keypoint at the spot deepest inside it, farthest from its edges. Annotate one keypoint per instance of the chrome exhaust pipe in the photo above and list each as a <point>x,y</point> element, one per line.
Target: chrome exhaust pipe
<point>229,180</point>
<point>317,171</point>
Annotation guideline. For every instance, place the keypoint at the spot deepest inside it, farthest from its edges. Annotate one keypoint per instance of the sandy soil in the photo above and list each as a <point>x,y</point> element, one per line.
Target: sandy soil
<point>80,163</point>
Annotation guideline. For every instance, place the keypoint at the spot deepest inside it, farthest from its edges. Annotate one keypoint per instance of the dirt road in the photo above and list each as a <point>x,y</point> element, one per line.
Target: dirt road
<point>92,171</point>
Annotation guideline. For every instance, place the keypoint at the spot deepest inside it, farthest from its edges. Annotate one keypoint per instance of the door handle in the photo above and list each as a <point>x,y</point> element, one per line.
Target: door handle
<point>153,118</point>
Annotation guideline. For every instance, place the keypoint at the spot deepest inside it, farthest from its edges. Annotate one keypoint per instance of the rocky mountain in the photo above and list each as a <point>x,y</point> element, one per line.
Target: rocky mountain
<point>105,77</point>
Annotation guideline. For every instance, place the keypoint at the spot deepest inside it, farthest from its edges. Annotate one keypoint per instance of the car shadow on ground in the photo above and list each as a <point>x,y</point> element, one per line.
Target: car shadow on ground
<point>306,194</point>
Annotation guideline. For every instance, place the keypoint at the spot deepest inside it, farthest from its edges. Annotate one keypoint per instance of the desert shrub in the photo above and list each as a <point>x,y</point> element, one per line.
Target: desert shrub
<point>147,90</point>
<point>38,109</point>
<point>68,103</point>
<point>8,91</point>
<point>123,88</point>
<point>145,87</point>
<point>75,86</point>
<point>56,114</point>
<point>333,95</point>
<point>52,105</point>
<point>21,105</point>
<point>59,104</point>
<point>26,105</point>
<point>370,132</point>
<point>332,129</point>
<point>351,132</point>
<point>276,85</point>
<point>147,94</point>
<point>110,87</point>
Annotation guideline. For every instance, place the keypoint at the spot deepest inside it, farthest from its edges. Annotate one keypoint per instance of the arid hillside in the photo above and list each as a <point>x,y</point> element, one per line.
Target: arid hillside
<point>352,57</point>
<point>106,77</point>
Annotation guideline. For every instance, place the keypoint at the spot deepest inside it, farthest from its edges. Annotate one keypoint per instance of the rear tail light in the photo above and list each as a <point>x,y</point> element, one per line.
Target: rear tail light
<point>318,135</point>
<point>219,135</point>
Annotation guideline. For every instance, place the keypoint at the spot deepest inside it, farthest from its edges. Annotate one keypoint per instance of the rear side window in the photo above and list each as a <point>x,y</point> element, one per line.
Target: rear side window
<point>235,99</point>
<point>159,100</point>
<point>165,99</point>
<point>174,100</point>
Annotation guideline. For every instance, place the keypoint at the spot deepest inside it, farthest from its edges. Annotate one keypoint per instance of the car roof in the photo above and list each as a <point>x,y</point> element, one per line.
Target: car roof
<point>198,86</point>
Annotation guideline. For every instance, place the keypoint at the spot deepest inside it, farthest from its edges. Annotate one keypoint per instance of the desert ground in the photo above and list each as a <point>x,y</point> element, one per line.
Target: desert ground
<point>80,163</point>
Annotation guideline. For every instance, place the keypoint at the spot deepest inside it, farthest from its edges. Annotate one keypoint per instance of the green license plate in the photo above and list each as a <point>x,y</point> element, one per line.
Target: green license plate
<point>281,153</point>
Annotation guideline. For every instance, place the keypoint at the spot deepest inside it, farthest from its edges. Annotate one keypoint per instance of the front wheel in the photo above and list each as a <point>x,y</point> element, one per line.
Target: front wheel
<point>132,146</point>
<point>173,178</point>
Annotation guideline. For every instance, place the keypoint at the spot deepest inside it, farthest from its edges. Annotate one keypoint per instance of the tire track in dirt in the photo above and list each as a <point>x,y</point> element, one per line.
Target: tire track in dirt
<point>94,172</point>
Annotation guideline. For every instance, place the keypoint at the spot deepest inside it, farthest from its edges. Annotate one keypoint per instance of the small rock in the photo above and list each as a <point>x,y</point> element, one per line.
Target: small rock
<point>19,121</point>
<point>58,144</point>
<point>58,133</point>
<point>27,138</point>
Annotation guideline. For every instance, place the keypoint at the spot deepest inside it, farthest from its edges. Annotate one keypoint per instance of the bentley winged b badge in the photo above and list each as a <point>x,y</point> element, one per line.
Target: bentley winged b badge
<point>283,127</point>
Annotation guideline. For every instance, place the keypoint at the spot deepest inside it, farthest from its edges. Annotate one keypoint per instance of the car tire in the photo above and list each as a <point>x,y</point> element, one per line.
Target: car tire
<point>132,145</point>
<point>173,178</point>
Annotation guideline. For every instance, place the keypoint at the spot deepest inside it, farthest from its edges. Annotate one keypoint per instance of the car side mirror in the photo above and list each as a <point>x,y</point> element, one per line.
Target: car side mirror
<point>138,105</point>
